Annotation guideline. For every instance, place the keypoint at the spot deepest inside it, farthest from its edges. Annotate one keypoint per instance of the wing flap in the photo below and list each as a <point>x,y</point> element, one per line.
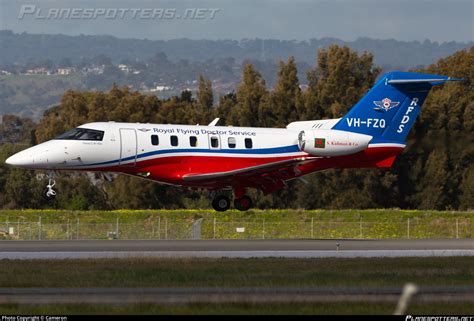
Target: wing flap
<point>248,170</point>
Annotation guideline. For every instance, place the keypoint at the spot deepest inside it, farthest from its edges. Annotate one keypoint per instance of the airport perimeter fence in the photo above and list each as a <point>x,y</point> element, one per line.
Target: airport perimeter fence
<point>172,229</point>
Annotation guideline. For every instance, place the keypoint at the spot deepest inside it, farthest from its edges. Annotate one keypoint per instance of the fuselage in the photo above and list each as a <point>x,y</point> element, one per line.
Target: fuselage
<point>167,153</point>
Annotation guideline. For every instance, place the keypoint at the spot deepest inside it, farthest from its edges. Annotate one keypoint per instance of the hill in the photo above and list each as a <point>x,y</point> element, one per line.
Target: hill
<point>390,53</point>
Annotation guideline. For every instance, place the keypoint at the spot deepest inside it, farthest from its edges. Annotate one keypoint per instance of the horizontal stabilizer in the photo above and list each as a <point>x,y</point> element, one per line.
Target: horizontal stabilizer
<point>417,81</point>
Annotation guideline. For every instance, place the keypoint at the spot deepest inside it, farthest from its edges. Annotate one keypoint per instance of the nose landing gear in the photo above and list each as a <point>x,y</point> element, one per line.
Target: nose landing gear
<point>49,193</point>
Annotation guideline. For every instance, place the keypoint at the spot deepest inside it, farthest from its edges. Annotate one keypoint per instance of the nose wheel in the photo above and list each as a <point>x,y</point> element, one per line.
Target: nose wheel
<point>49,193</point>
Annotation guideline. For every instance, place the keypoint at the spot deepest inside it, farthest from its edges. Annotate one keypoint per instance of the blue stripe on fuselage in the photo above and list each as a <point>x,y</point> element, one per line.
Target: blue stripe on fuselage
<point>275,150</point>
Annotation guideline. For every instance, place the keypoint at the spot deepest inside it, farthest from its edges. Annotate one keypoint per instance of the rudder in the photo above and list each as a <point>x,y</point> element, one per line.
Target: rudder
<point>388,111</point>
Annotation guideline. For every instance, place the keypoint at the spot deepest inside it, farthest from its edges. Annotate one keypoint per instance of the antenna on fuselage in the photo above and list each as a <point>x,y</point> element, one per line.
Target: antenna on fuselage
<point>214,122</point>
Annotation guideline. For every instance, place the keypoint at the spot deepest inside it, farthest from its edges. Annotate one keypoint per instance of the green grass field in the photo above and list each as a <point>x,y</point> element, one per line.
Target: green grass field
<point>270,272</point>
<point>266,272</point>
<point>177,224</point>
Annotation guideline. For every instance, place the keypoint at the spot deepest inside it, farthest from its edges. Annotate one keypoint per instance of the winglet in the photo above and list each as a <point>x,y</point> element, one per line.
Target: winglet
<point>214,122</point>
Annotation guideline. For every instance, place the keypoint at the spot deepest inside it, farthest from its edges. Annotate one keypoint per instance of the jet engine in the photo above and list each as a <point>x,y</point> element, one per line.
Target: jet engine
<point>328,142</point>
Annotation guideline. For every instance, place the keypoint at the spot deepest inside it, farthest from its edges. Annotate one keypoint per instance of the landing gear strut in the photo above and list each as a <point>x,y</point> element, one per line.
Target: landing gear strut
<point>49,193</point>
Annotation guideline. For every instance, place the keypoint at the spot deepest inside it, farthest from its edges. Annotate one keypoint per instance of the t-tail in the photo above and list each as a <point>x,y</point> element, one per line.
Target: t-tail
<point>388,111</point>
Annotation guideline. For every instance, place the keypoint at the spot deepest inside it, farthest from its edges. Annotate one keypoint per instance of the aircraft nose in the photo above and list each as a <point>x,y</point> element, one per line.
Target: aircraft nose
<point>19,160</point>
<point>43,156</point>
<point>9,161</point>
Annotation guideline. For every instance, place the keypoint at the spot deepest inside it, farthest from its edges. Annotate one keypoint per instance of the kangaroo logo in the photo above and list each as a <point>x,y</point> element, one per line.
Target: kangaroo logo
<point>385,104</point>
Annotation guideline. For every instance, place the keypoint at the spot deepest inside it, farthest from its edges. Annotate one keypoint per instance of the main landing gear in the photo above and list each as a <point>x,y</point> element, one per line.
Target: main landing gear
<point>221,202</point>
<point>243,203</point>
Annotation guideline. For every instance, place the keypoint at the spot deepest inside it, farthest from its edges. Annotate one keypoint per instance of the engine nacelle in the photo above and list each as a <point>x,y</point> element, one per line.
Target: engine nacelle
<point>329,142</point>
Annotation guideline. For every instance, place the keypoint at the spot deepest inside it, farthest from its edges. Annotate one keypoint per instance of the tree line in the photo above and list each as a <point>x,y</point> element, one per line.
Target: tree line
<point>436,170</point>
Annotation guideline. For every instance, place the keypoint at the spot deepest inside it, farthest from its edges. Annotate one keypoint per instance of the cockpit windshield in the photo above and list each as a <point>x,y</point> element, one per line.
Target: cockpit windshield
<point>82,134</point>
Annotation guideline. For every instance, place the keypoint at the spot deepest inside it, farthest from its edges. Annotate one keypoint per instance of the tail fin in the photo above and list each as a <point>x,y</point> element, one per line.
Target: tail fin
<point>388,111</point>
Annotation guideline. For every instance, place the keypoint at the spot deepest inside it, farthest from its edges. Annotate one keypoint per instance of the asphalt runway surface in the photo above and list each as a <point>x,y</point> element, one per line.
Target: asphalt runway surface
<point>71,249</point>
<point>225,294</point>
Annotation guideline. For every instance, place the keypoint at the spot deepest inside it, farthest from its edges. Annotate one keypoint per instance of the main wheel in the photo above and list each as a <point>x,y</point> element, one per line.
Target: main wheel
<point>243,203</point>
<point>49,194</point>
<point>221,203</point>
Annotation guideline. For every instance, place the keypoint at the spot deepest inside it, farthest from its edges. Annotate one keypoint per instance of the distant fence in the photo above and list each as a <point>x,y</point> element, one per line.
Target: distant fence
<point>173,229</point>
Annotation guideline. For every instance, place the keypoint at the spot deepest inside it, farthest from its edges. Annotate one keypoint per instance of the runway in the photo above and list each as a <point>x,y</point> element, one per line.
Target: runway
<point>345,248</point>
<point>213,294</point>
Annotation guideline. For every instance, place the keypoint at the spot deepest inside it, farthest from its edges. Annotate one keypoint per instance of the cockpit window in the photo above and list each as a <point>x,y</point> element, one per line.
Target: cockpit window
<point>82,134</point>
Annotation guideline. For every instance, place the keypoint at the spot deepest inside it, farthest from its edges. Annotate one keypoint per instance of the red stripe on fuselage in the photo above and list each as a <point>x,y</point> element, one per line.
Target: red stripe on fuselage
<point>171,169</point>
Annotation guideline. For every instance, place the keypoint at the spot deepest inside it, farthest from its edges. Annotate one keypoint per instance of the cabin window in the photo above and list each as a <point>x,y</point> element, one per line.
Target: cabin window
<point>231,141</point>
<point>193,141</point>
<point>154,140</point>
<point>174,140</point>
<point>82,134</point>
<point>214,142</point>
<point>248,143</point>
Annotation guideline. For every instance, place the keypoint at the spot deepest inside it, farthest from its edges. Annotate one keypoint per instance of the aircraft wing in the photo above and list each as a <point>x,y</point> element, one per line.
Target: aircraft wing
<point>267,177</point>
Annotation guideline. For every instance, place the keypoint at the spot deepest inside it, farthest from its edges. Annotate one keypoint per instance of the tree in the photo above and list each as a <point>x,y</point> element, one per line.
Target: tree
<point>446,122</point>
<point>433,184</point>
<point>466,200</point>
<point>285,99</point>
<point>204,95</point>
<point>250,94</point>
<point>225,108</point>
<point>341,77</point>
<point>205,99</point>
<point>186,96</point>
<point>20,189</point>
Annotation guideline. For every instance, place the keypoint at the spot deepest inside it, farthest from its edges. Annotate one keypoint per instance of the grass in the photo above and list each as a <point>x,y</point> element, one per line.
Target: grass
<point>266,272</point>
<point>177,224</point>
<point>417,308</point>
<point>270,272</point>
<point>131,216</point>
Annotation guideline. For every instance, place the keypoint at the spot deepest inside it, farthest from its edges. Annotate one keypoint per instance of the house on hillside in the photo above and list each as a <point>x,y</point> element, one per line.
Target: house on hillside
<point>65,71</point>
<point>38,71</point>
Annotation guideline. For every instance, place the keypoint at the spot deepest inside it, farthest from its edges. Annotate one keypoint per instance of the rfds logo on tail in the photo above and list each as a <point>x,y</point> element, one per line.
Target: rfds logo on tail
<point>385,104</point>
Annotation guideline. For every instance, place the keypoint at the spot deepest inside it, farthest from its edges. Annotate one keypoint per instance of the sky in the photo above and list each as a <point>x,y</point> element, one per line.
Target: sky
<point>436,20</point>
